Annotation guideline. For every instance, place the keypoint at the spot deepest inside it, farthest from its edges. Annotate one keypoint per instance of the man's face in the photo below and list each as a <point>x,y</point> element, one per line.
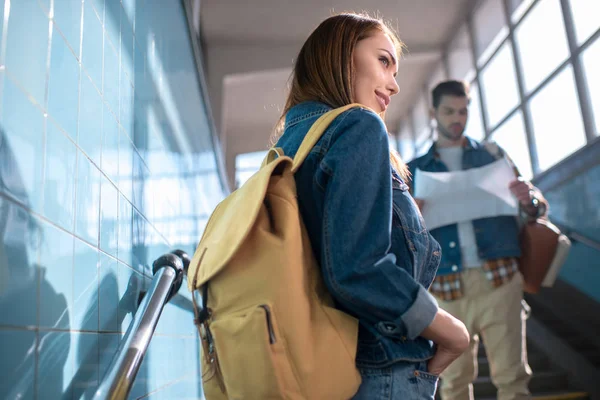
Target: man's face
<point>451,116</point>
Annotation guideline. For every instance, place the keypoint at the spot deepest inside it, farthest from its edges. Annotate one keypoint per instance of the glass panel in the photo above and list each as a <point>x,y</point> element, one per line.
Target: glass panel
<point>541,54</point>
<point>518,8</point>
<point>246,165</point>
<point>585,17</point>
<point>407,147</point>
<point>421,118</point>
<point>500,85</point>
<point>460,57</point>
<point>557,122</point>
<point>591,65</point>
<point>490,29</point>
<point>437,76</point>
<point>475,124</point>
<point>511,137</point>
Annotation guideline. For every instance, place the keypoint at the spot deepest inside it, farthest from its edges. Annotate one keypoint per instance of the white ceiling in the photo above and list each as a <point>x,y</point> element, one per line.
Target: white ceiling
<point>250,49</point>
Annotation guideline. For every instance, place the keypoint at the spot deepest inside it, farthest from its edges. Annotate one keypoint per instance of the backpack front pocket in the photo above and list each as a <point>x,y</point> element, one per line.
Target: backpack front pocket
<point>252,356</point>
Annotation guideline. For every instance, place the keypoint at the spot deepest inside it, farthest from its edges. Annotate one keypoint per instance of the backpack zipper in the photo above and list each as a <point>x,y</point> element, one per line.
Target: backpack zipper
<point>272,338</point>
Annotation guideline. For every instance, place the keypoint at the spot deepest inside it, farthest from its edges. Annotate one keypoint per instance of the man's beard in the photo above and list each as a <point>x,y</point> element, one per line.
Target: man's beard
<point>448,134</point>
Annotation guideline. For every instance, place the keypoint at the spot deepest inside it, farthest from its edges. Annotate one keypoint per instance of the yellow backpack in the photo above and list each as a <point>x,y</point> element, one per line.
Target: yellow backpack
<point>268,326</point>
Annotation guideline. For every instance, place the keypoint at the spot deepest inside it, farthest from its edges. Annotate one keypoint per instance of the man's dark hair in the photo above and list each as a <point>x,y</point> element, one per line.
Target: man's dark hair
<point>449,88</point>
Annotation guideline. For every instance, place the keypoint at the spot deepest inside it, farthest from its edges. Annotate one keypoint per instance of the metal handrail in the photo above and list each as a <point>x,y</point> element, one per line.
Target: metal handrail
<point>168,275</point>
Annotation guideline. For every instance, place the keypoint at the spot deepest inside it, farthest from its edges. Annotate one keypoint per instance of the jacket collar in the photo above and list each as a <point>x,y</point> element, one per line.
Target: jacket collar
<point>433,155</point>
<point>303,111</point>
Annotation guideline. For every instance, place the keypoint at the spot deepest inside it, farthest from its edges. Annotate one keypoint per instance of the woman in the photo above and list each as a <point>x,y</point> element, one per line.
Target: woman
<point>349,198</point>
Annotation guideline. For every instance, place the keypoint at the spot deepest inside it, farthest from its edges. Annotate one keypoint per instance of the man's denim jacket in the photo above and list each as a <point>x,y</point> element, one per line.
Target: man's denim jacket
<point>376,266</point>
<point>496,237</point>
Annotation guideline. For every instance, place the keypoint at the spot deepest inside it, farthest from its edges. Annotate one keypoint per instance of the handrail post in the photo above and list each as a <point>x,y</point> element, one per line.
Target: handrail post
<point>168,276</point>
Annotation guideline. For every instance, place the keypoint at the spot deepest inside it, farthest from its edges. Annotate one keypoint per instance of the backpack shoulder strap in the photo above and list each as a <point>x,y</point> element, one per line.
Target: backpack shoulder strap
<point>316,131</point>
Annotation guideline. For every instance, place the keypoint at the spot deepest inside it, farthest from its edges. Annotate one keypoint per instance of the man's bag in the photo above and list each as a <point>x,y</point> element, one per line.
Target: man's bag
<point>544,250</point>
<point>267,323</point>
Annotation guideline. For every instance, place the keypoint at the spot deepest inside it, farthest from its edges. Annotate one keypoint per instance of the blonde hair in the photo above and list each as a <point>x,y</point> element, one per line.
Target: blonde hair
<point>324,69</point>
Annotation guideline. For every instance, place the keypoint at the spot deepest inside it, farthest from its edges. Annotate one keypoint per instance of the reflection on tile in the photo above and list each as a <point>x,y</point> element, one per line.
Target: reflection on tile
<point>54,370</point>
<point>108,294</point>
<point>110,145</point>
<point>125,227</point>
<point>59,181</point>
<point>85,287</point>
<point>86,365</point>
<point>99,7</point>
<point>127,46</point>
<point>130,283</point>
<point>109,204</point>
<point>63,89</point>
<point>126,152</point>
<point>129,10</point>
<point>112,20</point>
<point>107,345</point>
<point>138,241</point>
<point>126,110</point>
<point>23,127</point>
<point>56,287</point>
<point>92,45</point>
<point>27,46</point>
<point>111,75</point>
<point>1,22</point>
<point>17,364</point>
<point>140,173</point>
<point>87,216</point>
<point>67,16</point>
<point>18,283</point>
<point>90,115</point>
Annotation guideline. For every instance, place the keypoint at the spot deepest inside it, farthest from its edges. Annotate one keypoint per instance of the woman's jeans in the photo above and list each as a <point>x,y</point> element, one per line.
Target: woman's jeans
<point>401,381</point>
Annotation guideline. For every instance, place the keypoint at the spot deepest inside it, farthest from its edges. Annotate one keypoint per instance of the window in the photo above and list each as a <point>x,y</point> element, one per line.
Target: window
<point>557,121</point>
<point>518,8</point>
<point>541,53</point>
<point>474,124</point>
<point>500,85</point>
<point>421,119</point>
<point>585,18</point>
<point>246,165</point>
<point>591,66</point>
<point>406,143</point>
<point>438,76</point>
<point>460,57</point>
<point>511,137</point>
<point>490,29</point>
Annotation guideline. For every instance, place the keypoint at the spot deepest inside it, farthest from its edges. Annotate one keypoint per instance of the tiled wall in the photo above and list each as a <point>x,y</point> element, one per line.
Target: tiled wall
<point>575,204</point>
<point>106,162</point>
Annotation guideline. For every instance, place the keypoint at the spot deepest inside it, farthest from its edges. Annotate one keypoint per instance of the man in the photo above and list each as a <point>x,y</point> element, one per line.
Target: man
<point>478,280</point>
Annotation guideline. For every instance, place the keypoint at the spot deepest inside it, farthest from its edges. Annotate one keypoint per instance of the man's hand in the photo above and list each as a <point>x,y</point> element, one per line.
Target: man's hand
<point>522,190</point>
<point>420,203</point>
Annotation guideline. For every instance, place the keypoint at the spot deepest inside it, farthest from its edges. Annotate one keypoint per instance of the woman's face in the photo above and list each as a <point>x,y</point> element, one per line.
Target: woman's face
<point>375,67</point>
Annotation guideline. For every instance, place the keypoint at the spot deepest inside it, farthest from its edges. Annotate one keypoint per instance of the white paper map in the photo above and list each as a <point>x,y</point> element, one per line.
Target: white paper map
<point>459,196</point>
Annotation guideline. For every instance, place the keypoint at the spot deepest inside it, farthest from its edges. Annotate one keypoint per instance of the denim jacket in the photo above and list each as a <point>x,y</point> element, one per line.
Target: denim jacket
<point>496,237</point>
<point>376,257</point>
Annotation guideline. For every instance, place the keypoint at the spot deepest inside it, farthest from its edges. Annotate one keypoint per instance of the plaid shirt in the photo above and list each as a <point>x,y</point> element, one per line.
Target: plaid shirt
<point>498,271</point>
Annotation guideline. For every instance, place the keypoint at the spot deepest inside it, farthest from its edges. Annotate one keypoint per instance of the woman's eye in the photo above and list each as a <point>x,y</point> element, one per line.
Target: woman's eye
<point>385,61</point>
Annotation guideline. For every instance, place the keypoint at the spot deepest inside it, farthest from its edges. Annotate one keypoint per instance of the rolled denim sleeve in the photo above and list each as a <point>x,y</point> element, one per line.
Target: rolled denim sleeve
<point>358,268</point>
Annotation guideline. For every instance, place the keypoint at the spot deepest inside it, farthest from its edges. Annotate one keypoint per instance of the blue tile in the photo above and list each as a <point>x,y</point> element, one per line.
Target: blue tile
<point>55,370</point>
<point>126,105</point>
<point>126,152</point>
<point>92,45</point>
<point>99,7</point>
<point>27,47</point>
<point>63,86</point>
<point>17,364</point>
<point>110,145</point>
<point>125,230</point>
<point>89,137</point>
<point>59,182</point>
<point>19,301</point>
<point>86,365</point>
<point>85,287</point>
<point>129,12</point>
<point>67,17</point>
<point>56,290</point>
<point>112,21</point>
<point>1,24</point>
<point>23,125</point>
<point>107,344</point>
<point>109,205</point>
<point>139,65</point>
<point>108,294</point>
<point>111,77</point>
<point>127,45</point>
<point>87,208</point>
<point>130,283</point>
